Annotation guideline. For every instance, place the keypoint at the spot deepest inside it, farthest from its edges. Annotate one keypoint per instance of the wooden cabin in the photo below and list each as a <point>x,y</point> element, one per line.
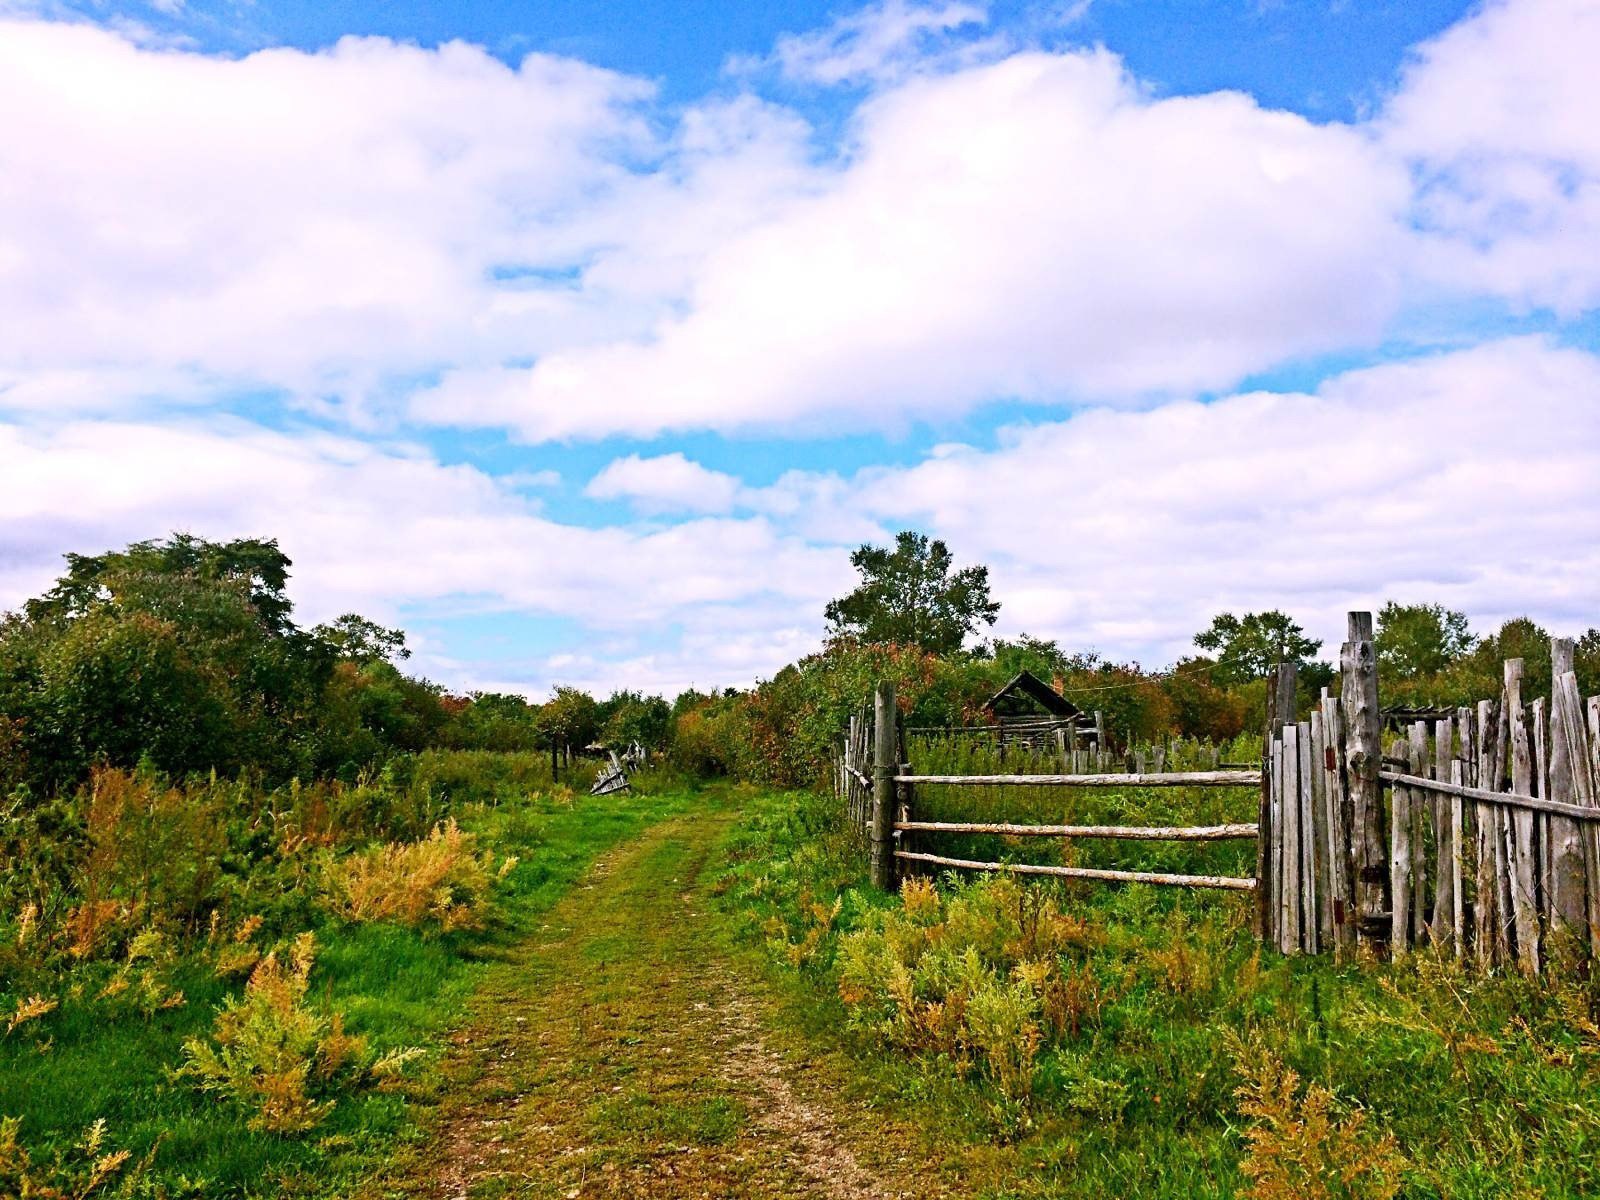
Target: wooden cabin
<point>1031,713</point>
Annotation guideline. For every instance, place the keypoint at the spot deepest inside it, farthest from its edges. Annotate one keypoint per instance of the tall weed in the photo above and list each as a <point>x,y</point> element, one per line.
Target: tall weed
<point>441,882</point>
<point>88,1169</point>
<point>274,1055</point>
<point>1301,1144</point>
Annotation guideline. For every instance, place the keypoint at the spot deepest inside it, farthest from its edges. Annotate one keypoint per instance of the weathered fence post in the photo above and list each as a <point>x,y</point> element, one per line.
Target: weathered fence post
<point>1266,832</point>
<point>1358,696</point>
<point>1280,766</point>
<point>1400,856</point>
<point>1569,909</point>
<point>1322,859</point>
<point>885,763</point>
<point>1292,878</point>
<point>1524,897</point>
<point>1447,919</point>
<point>1567,730</point>
<point>1486,900</point>
<point>1420,812</point>
<point>1340,822</point>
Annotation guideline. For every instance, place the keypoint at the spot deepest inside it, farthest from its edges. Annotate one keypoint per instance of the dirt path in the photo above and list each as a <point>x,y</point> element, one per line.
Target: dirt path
<point>622,1057</point>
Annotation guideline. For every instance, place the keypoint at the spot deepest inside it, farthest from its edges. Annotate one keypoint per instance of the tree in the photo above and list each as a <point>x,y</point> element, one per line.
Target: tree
<point>1043,657</point>
<point>1200,708</point>
<point>1248,647</point>
<point>630,717</point>
<point>909,596</point>
<point>185,652</point>
<point>1417,640</point>
<point>256,567</point>
<point>354,637</point>
<point>569,718</point>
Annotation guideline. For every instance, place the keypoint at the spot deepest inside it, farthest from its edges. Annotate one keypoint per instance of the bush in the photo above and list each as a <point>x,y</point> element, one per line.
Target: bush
<point>440,882</point>
<point>274,1056</point>
<point>977,976</point>
<point>1300,1146</point>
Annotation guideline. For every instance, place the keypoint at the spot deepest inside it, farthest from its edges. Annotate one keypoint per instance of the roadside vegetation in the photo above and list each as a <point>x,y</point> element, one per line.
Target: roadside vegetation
<point>1092,1041</point>
<point>242,990</point>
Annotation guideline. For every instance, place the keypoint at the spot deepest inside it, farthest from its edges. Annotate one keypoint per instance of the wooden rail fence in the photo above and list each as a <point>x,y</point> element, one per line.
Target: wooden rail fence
<point>1477,832</point>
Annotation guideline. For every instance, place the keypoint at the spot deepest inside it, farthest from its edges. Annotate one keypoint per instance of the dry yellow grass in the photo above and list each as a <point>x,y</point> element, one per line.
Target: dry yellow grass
<point>442,881</point>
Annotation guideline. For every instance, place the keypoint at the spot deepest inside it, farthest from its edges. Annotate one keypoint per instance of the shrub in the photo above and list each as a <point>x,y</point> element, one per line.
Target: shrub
<point>975,976</point>
<point>273,1055</point>
<point>440,882</point>
<point>1299,1146</point>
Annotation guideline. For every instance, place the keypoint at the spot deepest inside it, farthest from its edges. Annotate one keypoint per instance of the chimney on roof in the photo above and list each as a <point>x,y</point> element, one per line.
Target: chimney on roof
<point>1059,682</point>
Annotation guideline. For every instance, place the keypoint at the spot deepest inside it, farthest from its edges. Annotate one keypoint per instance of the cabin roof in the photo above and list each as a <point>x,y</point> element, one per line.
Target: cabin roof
<point>1030,685</point>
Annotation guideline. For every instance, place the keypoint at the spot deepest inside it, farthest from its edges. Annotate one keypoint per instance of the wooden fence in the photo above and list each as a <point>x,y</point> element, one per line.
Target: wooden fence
<point>1477,832</point>
<point>880,792</point>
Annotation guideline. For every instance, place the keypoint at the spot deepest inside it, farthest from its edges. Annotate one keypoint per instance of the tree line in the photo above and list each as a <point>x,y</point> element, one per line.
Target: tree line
<point>184,653</point>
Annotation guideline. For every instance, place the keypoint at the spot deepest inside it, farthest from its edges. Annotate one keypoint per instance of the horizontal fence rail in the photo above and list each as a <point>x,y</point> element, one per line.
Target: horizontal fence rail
<point>1507,799</point>
<point>1221,882</point>
<point>1250,779</point>
<point>1164,833</point>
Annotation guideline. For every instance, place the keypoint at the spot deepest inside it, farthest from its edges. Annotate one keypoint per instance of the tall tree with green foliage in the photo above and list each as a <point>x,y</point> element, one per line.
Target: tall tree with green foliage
<point>1414,640</point>
<point>185,652</point>
<point>1247,647</point>
<point>911,596</point>
<point>569,718</point>
<point>363,641</point>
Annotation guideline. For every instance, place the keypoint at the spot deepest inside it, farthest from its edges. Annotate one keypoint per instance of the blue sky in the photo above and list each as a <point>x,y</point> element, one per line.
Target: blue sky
<point>1325,59</point>
<point>586,340</point>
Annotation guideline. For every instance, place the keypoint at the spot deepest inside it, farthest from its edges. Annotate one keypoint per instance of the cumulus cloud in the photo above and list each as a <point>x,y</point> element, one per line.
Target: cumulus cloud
<point>1465,478</point>
<point>392,233</point>
<point>315,222</point>
<point>1036,227</point>
<point>665,483</point>
<point>542,248</point>
<point>389,530</point>
<point>1498,115</point>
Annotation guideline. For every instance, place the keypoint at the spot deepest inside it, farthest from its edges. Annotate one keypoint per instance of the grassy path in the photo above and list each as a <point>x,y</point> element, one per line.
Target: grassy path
<point>618,1054</point>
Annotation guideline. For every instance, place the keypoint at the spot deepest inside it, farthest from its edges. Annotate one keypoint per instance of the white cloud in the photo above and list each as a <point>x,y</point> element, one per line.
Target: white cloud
<point>665,483</point>
<point>1465,478</point>
<point>878,42</point>
<point>386,530</point>
<point>317,222</point>
<point>338,226</point>
<point>177,229</point>
<point>1037,228</point>
<point>1498,116</point>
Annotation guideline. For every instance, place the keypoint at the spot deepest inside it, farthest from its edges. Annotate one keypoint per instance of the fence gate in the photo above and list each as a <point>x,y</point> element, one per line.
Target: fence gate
<point>880,792</point>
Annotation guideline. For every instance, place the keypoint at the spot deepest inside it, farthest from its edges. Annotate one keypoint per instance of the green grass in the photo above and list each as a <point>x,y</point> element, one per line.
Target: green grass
<point>396,986</point>
<point>1488,1084</point>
